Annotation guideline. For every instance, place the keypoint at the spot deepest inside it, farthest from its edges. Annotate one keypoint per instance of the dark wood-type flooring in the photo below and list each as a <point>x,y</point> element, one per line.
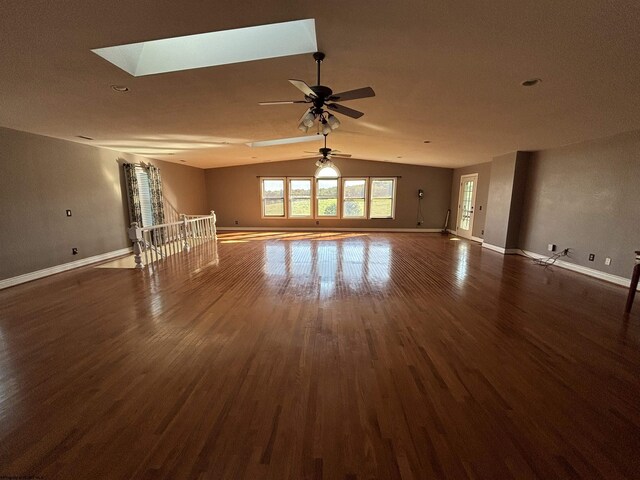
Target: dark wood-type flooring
<point>320,356</point>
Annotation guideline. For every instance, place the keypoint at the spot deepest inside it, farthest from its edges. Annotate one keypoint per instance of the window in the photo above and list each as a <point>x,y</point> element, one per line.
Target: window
<point>273,197</point>
<point>300,198</point>
<point>354,198</point>
<point>327,197</point>
<point>144,194</point>
<point>383,193</point>
<point>328,170</point>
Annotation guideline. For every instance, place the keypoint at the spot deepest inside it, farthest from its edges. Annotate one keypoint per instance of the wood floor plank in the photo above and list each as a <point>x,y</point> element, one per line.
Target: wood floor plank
<point>320,355</point>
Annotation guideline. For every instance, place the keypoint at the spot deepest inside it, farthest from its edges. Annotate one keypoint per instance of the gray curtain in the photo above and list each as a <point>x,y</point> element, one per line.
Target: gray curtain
<point>133,193</point>
<point>157,199</point>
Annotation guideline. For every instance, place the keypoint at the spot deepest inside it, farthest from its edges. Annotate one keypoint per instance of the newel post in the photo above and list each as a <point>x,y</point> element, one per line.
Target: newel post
<point>213,216</point>
<point>635,278</point>
<point>185,242</point>
<point>135,235</point>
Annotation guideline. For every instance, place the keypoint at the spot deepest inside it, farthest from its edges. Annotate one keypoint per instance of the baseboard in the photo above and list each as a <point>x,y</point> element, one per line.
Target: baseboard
<point>326,229</point>
<point>607,277</point>
<point>472,238</point>
<point>503,251</point>
<point>27,277</point>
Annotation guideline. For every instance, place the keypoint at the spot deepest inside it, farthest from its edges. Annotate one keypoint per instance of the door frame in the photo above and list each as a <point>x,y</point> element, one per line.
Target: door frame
<point>473,205</point>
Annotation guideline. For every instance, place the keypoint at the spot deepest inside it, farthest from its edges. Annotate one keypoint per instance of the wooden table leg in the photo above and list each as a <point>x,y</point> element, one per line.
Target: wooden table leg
<point>632,288</point>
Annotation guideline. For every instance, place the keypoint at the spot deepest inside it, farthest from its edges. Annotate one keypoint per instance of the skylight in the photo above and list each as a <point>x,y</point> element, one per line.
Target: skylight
<point>213,48</point>
<point>282,141</point>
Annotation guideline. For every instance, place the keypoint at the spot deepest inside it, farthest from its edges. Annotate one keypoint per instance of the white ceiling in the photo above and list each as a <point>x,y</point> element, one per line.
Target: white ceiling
<point>443,71</point>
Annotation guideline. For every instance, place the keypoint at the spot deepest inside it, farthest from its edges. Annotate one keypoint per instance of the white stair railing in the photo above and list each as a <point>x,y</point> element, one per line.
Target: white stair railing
<point>152,244</point>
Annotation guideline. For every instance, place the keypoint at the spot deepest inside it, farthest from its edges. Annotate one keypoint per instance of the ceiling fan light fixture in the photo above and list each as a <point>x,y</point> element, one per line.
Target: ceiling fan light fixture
<point>304,127</point>
<point>333,121</point>
<point>326,128</point>
<point>308,118</point>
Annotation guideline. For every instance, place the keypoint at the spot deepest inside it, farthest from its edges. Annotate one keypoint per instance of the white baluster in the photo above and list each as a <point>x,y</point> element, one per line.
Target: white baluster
<point>185,231</point>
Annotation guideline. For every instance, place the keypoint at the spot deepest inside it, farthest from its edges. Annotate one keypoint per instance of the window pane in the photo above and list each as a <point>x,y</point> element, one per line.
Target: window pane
<point>327,207</point>
<point>273,207</point>
<point>273,188</point>
<point>300,188</point>
<point>354,188</point>
<point>353,208</point>
<point>327,188</point>
<point>382,188</point>
<point>381,207</point>
<point>300,207</point>
<point>144,191</point>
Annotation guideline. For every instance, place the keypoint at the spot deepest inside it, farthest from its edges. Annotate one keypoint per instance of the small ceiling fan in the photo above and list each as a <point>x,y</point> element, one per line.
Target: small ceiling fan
<point>328,154</point>
<point>321,97</point>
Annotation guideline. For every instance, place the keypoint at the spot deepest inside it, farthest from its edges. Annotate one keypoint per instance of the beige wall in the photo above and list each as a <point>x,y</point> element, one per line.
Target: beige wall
<point>41,177</point>
<point>234,193</point>
<point>585,197</point>
<point>482,194</point>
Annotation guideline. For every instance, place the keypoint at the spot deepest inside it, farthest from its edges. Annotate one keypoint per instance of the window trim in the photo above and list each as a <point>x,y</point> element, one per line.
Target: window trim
<point>365,215</point>
<point>338,196</point>
<point>393,197</point>
<point>288,197</point>
<point>262,198</point>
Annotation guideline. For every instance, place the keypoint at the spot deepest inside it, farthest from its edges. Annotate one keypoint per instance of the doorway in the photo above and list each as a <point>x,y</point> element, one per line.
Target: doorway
<point>466,205</point>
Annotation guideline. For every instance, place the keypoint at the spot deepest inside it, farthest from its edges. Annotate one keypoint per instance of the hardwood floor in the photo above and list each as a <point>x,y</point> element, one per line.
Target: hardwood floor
<point>320,356</point>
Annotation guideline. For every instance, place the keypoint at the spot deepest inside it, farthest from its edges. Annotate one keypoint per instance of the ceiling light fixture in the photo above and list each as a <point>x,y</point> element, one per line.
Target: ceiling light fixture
<point>531,82</point>
<point>326,122</point>
<point>119,88</point>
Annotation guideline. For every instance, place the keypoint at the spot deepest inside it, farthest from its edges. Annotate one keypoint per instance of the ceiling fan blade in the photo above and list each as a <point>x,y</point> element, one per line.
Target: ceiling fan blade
<point>283,102</point>
<point>303,87</point>
<point>352,94</point>
<point>341,155</point>
<point>349,112</point>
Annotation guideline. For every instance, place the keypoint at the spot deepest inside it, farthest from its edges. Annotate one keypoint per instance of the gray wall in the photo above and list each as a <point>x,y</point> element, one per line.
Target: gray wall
<point>586,197</point>
<point>503,170</point>
<point>234,193</point>
<point>41,177</point>
<point>482,194</point>
<point>517,199</point>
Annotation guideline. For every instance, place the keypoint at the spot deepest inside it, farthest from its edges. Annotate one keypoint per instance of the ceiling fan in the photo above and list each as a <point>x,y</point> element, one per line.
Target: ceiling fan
<point>321,97</point>
<point>328,153</point>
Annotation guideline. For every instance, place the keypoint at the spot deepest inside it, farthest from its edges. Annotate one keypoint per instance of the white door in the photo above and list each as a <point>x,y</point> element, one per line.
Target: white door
<point>466,205</point>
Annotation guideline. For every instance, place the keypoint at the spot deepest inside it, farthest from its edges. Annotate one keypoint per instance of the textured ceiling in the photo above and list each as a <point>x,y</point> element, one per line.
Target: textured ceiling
<point>443,71</point>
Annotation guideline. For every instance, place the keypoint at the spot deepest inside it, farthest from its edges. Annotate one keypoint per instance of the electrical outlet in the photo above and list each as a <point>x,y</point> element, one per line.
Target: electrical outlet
<point>551,247</point>
<point>419,223</point>
<point>607,261</point>
<point>68,213</point>
<point>592,257</point>
<point>237,223</point>
<point>317,222</point>
<point>74,251</point>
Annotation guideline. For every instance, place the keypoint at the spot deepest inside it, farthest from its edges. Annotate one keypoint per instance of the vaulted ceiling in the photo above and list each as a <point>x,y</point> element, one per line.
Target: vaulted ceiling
<point>449,72</point>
